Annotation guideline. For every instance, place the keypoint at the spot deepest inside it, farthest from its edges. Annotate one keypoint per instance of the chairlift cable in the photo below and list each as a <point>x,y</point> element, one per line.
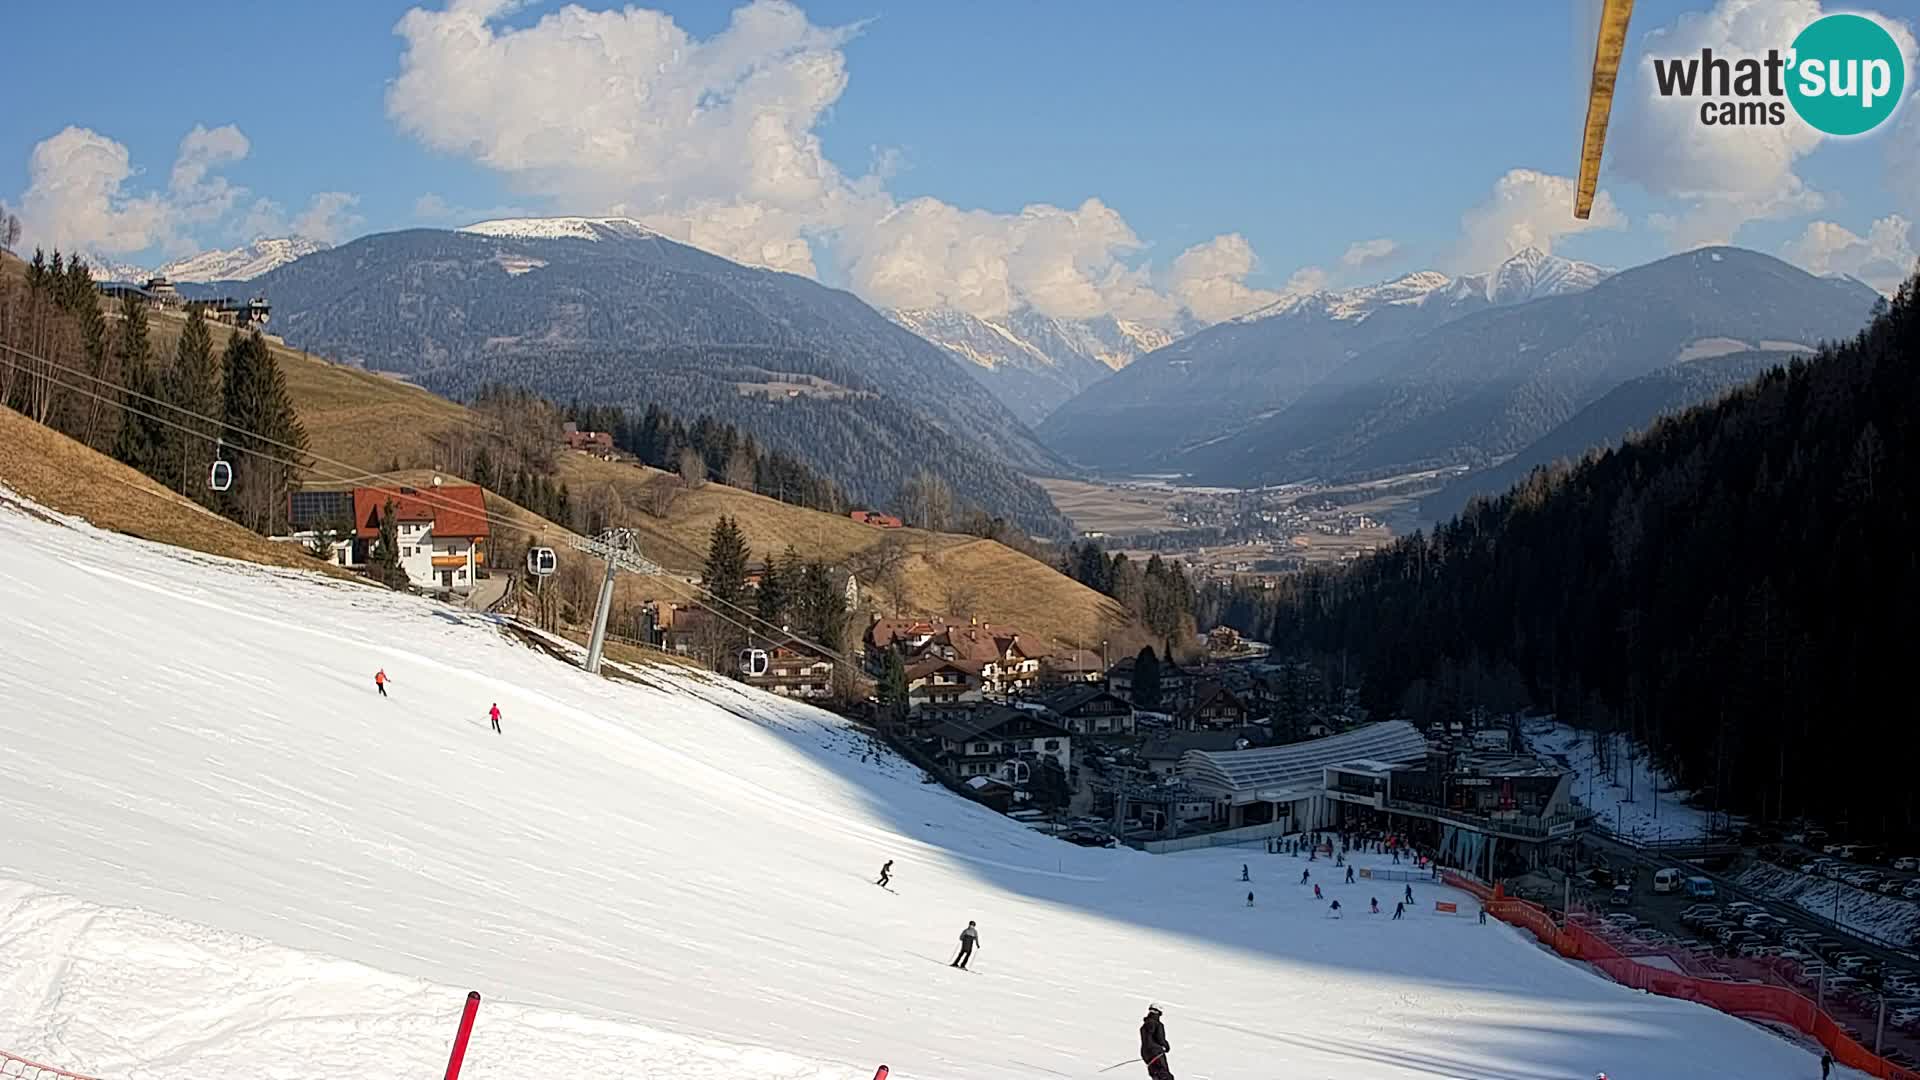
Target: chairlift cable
<point>685,588</point>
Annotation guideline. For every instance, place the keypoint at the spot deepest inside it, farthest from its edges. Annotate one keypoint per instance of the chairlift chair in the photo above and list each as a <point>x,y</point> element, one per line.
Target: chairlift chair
<point>220,473</point>
<point>753,662</point>
<point>541,561</point>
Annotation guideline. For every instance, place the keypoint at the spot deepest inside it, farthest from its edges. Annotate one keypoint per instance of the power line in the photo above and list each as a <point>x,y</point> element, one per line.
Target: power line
<point>356,477</point>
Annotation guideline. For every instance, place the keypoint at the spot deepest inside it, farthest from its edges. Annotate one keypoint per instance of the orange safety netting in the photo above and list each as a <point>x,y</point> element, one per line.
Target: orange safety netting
<point>1779,1003</point>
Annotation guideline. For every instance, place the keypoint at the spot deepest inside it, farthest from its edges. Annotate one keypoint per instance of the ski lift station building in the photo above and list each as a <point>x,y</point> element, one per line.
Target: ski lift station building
<point>1288,784</point>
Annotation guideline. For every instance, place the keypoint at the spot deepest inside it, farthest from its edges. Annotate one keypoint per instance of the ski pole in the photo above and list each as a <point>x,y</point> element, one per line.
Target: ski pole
<point>1129,1061</point>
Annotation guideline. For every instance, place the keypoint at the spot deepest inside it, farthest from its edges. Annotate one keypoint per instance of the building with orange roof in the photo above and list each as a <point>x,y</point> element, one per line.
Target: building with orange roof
<point>442,532</point>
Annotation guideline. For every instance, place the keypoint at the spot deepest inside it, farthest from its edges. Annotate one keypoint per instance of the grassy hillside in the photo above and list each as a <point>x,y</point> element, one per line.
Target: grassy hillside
<point>368,423</point>
<point>55,471</point>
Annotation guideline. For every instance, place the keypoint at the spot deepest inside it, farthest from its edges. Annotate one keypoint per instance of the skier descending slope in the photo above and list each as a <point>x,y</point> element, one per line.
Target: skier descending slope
<point>886,873</point>
<point>380,681</point>
<point>969,940</point>
<point>494,713</point>
<point>1153,1045</point>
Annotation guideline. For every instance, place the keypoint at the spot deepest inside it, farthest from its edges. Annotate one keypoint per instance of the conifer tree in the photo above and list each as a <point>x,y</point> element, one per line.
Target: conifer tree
<point>1146,679</point>
<point>726,570</point>
<point>142,439</point>
<point>263,429</point>
<point>193,387</point>
<point>893,687</point>
<point>770,602</point>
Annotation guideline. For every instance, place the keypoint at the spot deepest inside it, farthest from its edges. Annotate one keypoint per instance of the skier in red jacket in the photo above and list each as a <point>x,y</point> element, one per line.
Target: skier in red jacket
<point>494,713</point>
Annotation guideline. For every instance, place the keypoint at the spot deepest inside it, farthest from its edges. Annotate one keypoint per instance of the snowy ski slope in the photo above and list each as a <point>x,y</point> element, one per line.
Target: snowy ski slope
<point>221,854</point>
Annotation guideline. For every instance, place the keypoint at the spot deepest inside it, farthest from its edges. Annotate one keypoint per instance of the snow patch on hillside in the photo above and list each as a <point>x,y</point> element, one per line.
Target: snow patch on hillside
<point>1892,921</point>
<point>562,228</point>
<point>1624,797</point>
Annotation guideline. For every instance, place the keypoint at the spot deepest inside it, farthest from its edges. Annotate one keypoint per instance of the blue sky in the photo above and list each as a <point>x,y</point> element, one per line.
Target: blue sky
<point>1301,129</point>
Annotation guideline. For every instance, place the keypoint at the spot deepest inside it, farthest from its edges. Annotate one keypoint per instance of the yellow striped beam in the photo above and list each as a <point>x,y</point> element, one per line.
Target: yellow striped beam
<point>1606,72</point>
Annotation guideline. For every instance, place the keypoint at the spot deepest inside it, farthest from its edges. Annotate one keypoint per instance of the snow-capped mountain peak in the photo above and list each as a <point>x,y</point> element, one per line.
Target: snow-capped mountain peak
<point>562,228</point>
<point>1527,275</point>
<point>241,263</point>
<point>1033,362</point>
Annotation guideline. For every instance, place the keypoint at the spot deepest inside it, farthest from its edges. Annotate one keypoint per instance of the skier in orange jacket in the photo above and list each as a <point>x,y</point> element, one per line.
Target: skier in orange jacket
<point>380,681</point>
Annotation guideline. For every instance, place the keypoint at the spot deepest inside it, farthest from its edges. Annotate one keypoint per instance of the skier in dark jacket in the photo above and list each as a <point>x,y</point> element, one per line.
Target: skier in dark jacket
<point>1153,1045</point>
<point>969,939</point>
<point>886,873</point>
<point>1243,873</point>
<point>1349,875</point>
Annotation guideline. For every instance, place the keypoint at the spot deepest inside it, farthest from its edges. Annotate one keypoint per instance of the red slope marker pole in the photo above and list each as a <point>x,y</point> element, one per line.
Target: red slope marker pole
<point>881,1074</point>
<point>460,1040</point>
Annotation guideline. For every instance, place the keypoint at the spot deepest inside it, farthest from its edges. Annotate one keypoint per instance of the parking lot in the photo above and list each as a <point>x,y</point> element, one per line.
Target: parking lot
<point>1735,937</point>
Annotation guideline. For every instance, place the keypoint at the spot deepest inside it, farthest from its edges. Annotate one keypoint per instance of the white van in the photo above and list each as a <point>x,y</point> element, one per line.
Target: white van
<point>1668,880</point>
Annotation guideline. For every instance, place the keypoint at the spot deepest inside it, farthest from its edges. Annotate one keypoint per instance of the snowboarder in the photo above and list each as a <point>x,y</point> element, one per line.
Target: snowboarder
<point>1399,910</point>
<point>969,940</point>
<point>380,681</point>
<point>1349,875</point>
<point>494,714</point>
<point>1334,910</point>
<point>1826,1064</point>
<point>1153,1045</point>
<point>1376,905</point>
<point>1249,899</point>
<point>1304,874</point>
<point>886,874</point>
<point>1409,894</point>
<point>1243,873</point>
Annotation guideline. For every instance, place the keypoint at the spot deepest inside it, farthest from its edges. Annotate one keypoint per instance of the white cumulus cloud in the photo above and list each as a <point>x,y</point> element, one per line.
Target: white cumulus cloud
<point>1883,258</point>
<point>75,198</point>
<point>1210,280</point>
<point>1723,176</point>
<point>1367,252</point>
<point>714,142</point>
<point>78,198</point>
<point>1526,209</point>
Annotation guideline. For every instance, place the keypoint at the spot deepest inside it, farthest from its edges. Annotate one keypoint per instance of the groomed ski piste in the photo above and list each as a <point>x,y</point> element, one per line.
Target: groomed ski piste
<point>224,855</point>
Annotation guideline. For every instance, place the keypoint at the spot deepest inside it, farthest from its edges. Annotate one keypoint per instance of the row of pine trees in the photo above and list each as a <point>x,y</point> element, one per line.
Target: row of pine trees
<point>99,379</point>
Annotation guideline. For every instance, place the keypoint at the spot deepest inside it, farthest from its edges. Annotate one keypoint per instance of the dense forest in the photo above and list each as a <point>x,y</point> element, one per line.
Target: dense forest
<point>66,363</point>
<point>1737,587</point>
<point>727,454</point>
<point>868,444</point>
<point>1157,592</point>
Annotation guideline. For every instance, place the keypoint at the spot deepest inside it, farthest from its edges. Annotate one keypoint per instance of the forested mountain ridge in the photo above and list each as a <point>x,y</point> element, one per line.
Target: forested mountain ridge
<point>1207,387</point>
<point>1730,586</point>
<point>629,318</point>
<point>1631,407</point>
<point>1487,384</point>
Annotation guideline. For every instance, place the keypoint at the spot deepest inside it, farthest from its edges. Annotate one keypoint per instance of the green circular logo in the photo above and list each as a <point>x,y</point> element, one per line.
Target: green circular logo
<point>1846,74</point>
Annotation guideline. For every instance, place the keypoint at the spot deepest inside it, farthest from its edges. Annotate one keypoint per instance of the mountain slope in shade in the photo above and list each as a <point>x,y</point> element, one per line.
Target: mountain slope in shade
<point>1631,407</point>
<point>1205,387</point>
<point>1485,386</point>
<point>241,263</point>
<point>1033,362</point>
<point>606,312</point>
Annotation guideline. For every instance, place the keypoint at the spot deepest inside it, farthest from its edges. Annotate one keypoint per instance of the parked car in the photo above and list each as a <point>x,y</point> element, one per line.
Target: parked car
<point>1743,908</point>
<point>1734,939</point>
<point>1862,879</point>
<point>1904,1018</point>
<point>1854,963</point>
<point>1890,887</point>
<point>1621,920</point>
<point>1907,862</point>
<point>1801,939</point>
<point>1911,890</point>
